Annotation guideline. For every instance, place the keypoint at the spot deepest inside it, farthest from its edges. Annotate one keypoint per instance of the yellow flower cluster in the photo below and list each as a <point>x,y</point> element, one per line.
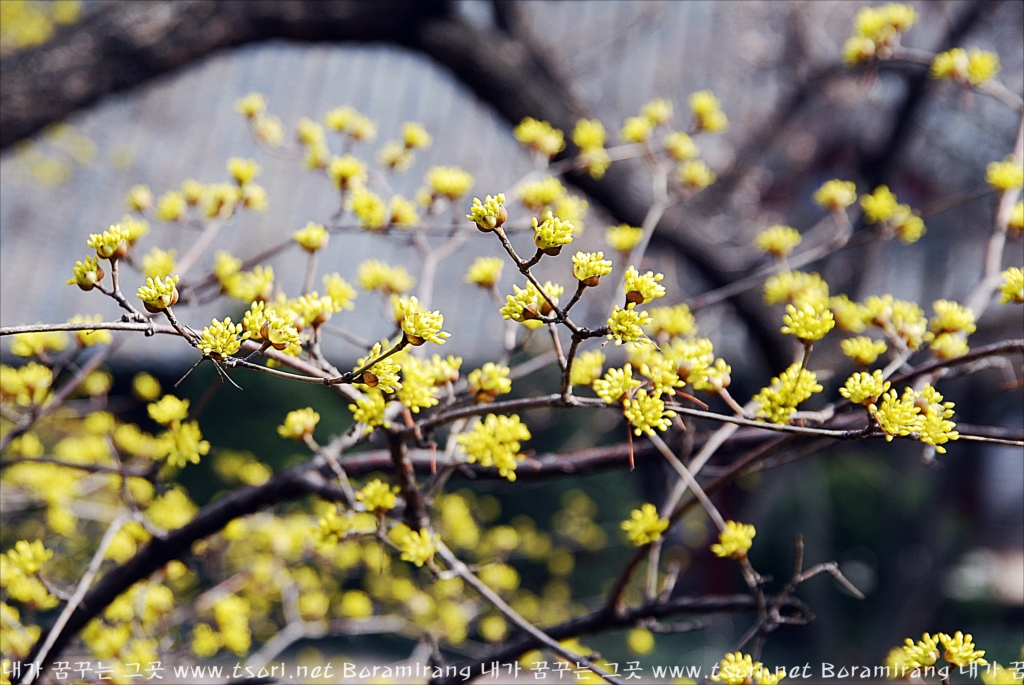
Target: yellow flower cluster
<point>863,349</point>
<point>420,326</point>
<point>672,321</point>
<point>495,441</point>
<point>222,338</point>
<point>1003,176</point>
<point>298,424</point>
<point>550,235</point>
<point>949,328</point>
<point>740,669</point>
<point>779,400</point>
<point>418,547</point>
<point>735,540</point>
<point>625,325</point>
<point>346,172</point>
<point>369,409</point>
<point>797,287</point>
<point>540,136</point>
<point>836,195</point>
<point>26,386</point>
<point>586,367</point>
<point>39,344</point>
<point>527,304</point>
<point>419,390</point>
<point>111,244</point>
<point>349,121</point>
<point>644,526</point>
<point>923,413</point>
<point>616,385</point>
<point>958,649</point>
<point>378,496</point>
<point>974,67</point>
<point>158,293</point>
<point>778,240</point>
<point>489,381</point>
<point>588,267</point>
<point>876,32</point>
<point>168,411</point>
<point>642,288</point>
<point>383,375</point>
<point>368,207</point>
<point>636,130</point>
<point>485,271</point>
<point>377,275</point>
<point>19,575</point>
<point>86,275</point>
<point>647,412</point>
<point>449,181</point>
<point>267,129</point>
<point>707,112</point>
<point>808,323</point>
<point>313,237</point>
<point>159,263</point>
<point>623,237</point>
<point>1012,288</point>
<point>695,174</point>
<point>538,194</point>
<point>590,136</point>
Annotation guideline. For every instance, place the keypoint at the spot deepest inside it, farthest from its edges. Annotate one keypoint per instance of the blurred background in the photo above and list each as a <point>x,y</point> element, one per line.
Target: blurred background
<point>116,94</point>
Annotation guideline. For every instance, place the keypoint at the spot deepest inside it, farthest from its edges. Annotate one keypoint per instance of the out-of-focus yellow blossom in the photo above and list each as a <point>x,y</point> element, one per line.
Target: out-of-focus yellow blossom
<point>418,390</point>
<point>552,234</point>
<point>589,134</point>
<point>242,170</point>
<point>596,160</point>
<point>642,288</point>
<point>951,317</point>
<point>369,409</point>
<point>159,263</point>
<point>695,174</point>
<point>735,540</point>
<point>298,424</point>
<point>28,557</point>
<point>907,224</point>
<point>573,209</point>
<point>657,111</point>
<point>864,388</point>
<point>139,198</point>
<point>680,146</point>
<point>145,386</point>
<point>205,641</point>
<point>247,286</point>
<point>879,206</point>
<point>540,136</point>
<point>86,275</point>
<point>899,317</point>
<point>383,375</point>
<point>925,652</point>
<point>1015,225</point>
<point>625,325</point>
<point>396,156</point>
<point>39,344</point>
<point>537,194</point>
<point>97,383</point>
<point>489,214</point>
<point>171,206</point>
<point>449,181</point>
<point>377,275</point>
<point>857,49</point>
<point>707,112</point>
<point>268,129</point>
<point>493,628</point>
<point>252,105</point>
<point>134,228</point>
<point>850,316</point>
<point>672,321</point>
<point>28,385</point>
<point>419,548</point>
<point>378,496</point>
<point>797,287</point>
<point>616,385</point>
<point>356,604</point>
<point>836,195</point>
<point>647,412</point>
<point>495,441</point>
<point>636,130</point>
<point>415,135</point>
<point>313,237</point>
<point>489,381</point>
<point>111,244</point>
<point>778,240</point>
<point>644,526</point>
<point>586,367</point>
<point>876,29</point>
<point>219,200</point>
<point>369,208</point>
<point>588,267</point>
<point>222,338</point>
<point>308,132</point>
<point>779,400</point>
<point>158,294</point>
<point>485,271</point>
<point>808,323</point>
<point>623,237</point>
<point>346,172</point>
<point>995,674</point>
<point>232,615</point>
<point>1004,175</point>
<point>168,410</point>
<point>640,641</point>
<point>973,67</point>
<point>184,444</point>
<point>402,212</point>
<point>863,349</point>
<point>1012,288</point>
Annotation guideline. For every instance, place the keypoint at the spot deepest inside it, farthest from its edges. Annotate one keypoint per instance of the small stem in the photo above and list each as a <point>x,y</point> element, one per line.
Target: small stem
<point>307,284</point>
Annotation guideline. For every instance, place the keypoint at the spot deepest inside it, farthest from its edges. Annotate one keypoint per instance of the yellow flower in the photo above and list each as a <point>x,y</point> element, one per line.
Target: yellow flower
<point>445,370</point>
<point>415,135</point>
<point>449,181</point>
<point>707,112</point>
<point>222,338</point>
<point>657,111</point>
<point>951,317</point>
<point>672,321</point>
<point>489,214</point>
<point>572,209</point>
<point>379,497</point>
<point>617,384</point>
<point>419,548</point>
<point>589,134</point>
<point>86,275</point>
<point>588,267</point>
<point>1012,288</point>
<point>808,323</point>
<point>489,381</point>
<point>797,287</point>
<point>158,263</point>
<point>219,200</point>
<point>251,105</point>
<point>376,275</point>
<point>205,641</point>
<point>695,174</point>
<point>28,557</point>
<point>346,172</point>
<point>110,244</point>
<point>680,146</point>
<point>736,669</point>
<point>537,194</point>
<point>974,68</point>
<point>268,129</point>
<point>778,240</point>
<point>134,228</point>
<point>158,294</point>
<point>139,198</point>
<point>485,271</point>
<point>369,208</point>
<point>642,288</point>
<point>836,195</point>
<point>857,49</point>
<point>640,641</point>
<point>313,237</point>
<point>586,368</point>
<point>936,429</point>
<point>623,237</point>
<point>402,212</point>
<point>625,324</point>
<point>418,389</point>
<point>636,130</point>
<point>850,316</point>
<point>309,132</point>
<point>735,540</point>
<point>168,411</point>
<point>924,653</point>
<point>863,349</point>
<point>779,400</point>
<point>313,308</point>
<point>243,171</point>
<point>644,526</point>
<point>340,291</point>
<point>552,234</point>
<point>907,224</point>
<point>879,206</point>
<point>539,135</point>
<point>647,412</point>
<point>171,206</point>
<point>1003,175</point>
<point>898,415</point>
<point>369,409</point>
<point>384,374</point>
<point>28,385</point>
<point>495,441</point>
<point>864,388</point>
<point>38,344</point>
<point>422,326</point>
<point>298,424</point>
